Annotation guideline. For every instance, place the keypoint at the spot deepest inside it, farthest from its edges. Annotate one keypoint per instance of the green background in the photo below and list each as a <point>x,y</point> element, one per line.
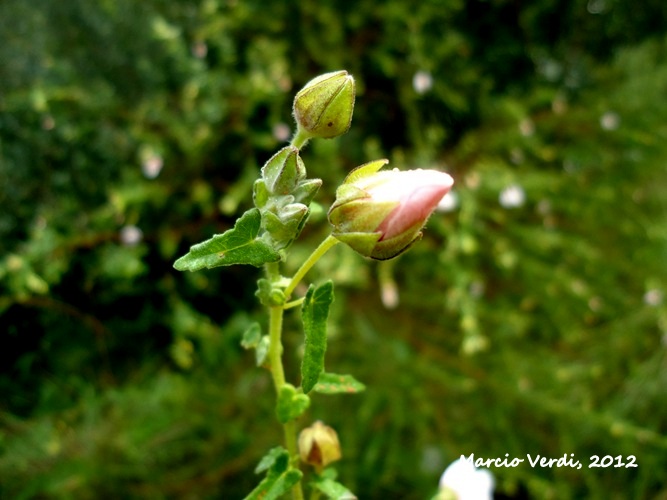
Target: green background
<point>532,329</point>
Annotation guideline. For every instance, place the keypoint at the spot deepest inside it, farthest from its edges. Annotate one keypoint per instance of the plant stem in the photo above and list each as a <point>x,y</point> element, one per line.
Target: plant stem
<point>328,243</point>
<point>276,346</point>
<point>300,139</point>
<point>278,374</point>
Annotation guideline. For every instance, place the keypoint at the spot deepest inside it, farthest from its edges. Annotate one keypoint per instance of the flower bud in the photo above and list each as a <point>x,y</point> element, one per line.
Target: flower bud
<point>283,171</point>
<point>319,445</point>
<point>323,108</point>
<point>306,190</point>
<point>380,214</point>
<point>285,225</point>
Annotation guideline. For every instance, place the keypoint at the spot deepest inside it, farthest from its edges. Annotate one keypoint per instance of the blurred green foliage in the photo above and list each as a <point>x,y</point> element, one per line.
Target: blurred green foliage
<point>532,316</point>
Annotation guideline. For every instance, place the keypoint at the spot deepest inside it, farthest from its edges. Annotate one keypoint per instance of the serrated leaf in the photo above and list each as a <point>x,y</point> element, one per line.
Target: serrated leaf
<point>314,315</point>
<point>332,383</point>
<point>279,478</point>
<point>238,245</point>
<point>290,404</point>
<point>334,490</point>
<point>273,486</point>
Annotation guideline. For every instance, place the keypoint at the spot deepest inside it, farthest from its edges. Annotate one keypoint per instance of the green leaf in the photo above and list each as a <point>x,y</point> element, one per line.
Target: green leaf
<point>273,486</point>
<point>253,339</point>
<point>238,245</point>
<point>332,383</point>
<point>279,478</point>
<point>314,315</point>
<point>333,489</point>
<point>251,336</point>
<point>262,350</point>
<point>290,404</point>
<point>273,456</point>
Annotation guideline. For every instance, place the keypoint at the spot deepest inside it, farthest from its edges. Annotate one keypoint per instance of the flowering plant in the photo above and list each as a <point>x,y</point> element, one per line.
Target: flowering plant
<point>377,213</point>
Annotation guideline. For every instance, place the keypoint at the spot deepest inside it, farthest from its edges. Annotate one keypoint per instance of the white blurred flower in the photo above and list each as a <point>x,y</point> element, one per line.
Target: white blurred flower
<point>281,132</point>
<point>610,121</point>
<point>152,166</point>
<point>389,295</point>
<point>131,235</point>
<point>596,6</point>
<point>653,297</point>
<point>512,196</point>
<point>199,49</point>
<point>467,482</point>
<point>449,202</point>
<point>48,122</point>
<point>422,82</point>
<point>527,127</point>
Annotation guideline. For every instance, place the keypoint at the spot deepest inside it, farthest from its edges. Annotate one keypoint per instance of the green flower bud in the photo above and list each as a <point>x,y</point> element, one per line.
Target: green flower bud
<point>319,445</point>
<point>306,190</point>
<point>323,108</point>
<point>283,171</point>
<point>285,226</point>
<point>380,214</point>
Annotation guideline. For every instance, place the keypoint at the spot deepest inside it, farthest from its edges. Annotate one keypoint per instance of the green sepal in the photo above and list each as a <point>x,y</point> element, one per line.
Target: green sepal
<point>285,227</point>
<point>260,193</point>
<point>283,171</point>
<point>360,215</point>
<point>306,190</point>
<point>280,476</point>
<point>365,170</point>
<point>238,245</point>
<point>269,294</point>
<point>332,383</point>
<point>314,314</point>
<point>291,404</point>
<point>364,243</point>
<point>327,484</point>
<point>393,247</point>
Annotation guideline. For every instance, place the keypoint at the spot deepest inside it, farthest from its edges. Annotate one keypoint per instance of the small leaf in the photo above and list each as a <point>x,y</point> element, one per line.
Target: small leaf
<point>251,336</point>
<point>314,315</point>
<point>290,404</point>
<point>273,486</point>
<point>273,456</point>
<point>332,383</point>
<point>262,350</point>
<point>333,489</point>
<point>238,245</point>
<point>279,478</point>
<point>269,294</point>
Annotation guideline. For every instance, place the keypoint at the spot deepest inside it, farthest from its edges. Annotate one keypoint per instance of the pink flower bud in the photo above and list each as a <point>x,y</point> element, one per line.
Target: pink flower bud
<point>380,214</point>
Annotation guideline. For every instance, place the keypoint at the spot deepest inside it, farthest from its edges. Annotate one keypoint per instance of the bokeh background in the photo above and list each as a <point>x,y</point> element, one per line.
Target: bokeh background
<point>532,317</point>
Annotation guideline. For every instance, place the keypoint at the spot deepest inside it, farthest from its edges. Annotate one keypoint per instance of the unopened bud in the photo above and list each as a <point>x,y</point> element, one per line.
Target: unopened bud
<point>323,108</point>
<point>285,225</point>
<point>380,214</point>
<point>306,190</point>
<point>283,171</point>
<point>319,445</point>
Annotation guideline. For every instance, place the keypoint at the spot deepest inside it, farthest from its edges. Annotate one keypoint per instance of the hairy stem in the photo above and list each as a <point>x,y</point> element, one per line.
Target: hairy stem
<point>317,254</point>
<point>278,374</point>
<point>276,345</point>
<point>300,139</point>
